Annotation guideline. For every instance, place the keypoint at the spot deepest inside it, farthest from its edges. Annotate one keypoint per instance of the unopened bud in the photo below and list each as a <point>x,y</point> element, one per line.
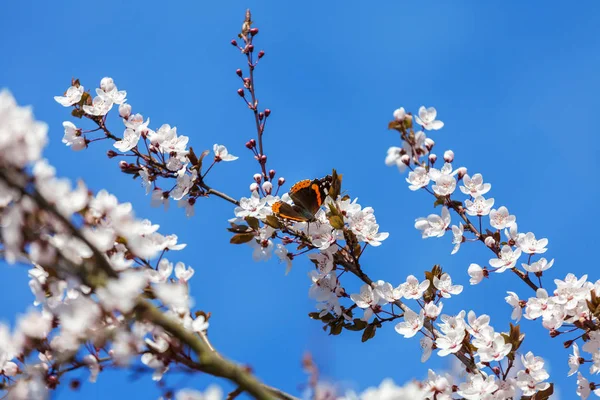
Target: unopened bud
<point>238,72</point>
<point>263,159</point>
<point>257,177</point>
<point>405,158</point>
<point>267,187</point>
<point>490,242</point>
<point>429,143</point>
<point>267,112</point>
<point>254,187</point>
<point>448,156</point>
<point>271,174</point>
<point>75,384</point>
<point>111,154</point>
<point>123,165</point>
<point>399,114</point>
<point>253,142</point>
<point>281,181</point>
<point>432,158</point>
<point>462,171</point>
<point>261,115</point>
<point>249,144</point>
<point>234,43</point>
<point>125,110</point>
<point>107,84</point>
<point>251,48</point>
<point>254,31</point>
<point>240,91</point>
<point>261,54</point>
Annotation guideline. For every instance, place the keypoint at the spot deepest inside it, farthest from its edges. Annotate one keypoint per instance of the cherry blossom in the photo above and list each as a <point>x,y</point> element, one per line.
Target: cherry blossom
<point>411,325</point>
<point>72,137</point>
<point>434,225</point>
<point>221,153</point>
<point>479,207</point>
<point>530,245</point>
<point>72,96</point>
<point>427,119</point>
<point>445,286</point>
<point>501,219</point>
<point>474,186</point>
<point>476,274</point>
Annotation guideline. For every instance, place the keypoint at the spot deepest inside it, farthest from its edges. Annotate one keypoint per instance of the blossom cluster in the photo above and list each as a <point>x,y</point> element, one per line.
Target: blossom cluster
<point>93,263</point>
<point>159,154</point>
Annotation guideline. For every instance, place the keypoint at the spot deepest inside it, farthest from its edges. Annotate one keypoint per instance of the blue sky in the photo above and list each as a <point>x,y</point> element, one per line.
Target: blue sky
<point>515,83</point>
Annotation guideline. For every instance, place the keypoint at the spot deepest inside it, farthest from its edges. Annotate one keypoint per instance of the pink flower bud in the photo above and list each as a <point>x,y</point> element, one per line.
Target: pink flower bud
<point>405,158</point>
<point>254,187</point>
<point>448,156</point>
<point>240,91</point>
<point>261,115</point>
<point>462,171</point>
<point>251,48</point>
<point>249,145</point>
<point>272,174</point>
<point>261,54</point>
<point>281,181</point>
<point>254,31</point>
<point>263,159</point>
<point>111,154</point>
<point>267,187</point>
<point>432,158</point>
<point>429,143</point>
<point>123,165</point>
<point>267,112</point>
<point>253,142</point>
<point>490,242</point>
<point>238,72</point>
<point>234,43</point>
<point>257,177</point>
<point>125,110</point>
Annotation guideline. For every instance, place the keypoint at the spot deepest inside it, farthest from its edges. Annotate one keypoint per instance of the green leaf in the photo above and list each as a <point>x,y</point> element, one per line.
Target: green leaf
<point>241,238</point>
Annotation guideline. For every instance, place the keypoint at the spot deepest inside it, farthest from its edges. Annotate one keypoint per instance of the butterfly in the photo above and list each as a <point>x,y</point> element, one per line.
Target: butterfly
<point>308,196</point>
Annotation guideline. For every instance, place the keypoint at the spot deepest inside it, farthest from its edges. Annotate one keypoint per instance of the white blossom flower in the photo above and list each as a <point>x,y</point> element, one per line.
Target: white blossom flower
<point>109,92</point>
<point>445,286</point>
<point>479,207</point>
<point>182,273</point>
<point>130,140</point>
<point>434,225</point>
<point>474,186</point>
<point>478,387</point>
<point>412,323</point>
<point>530,245</point>
<point>574,360</point>
<point>419,178</point>
<point>457,237</point>
<point>427,346</point>
<point>450,343</point>
<point>412,289</point>
<point>501,219</point>
<point>427,119</point>
<point>508,259</point>
<point>72,138</point>
<point>432,310</point>
<point>100,106</point>
<point>513,300</point>
<point>538,266</point>
<point>72,96</point>
<point>476,274</point>
<point>221,153</point>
